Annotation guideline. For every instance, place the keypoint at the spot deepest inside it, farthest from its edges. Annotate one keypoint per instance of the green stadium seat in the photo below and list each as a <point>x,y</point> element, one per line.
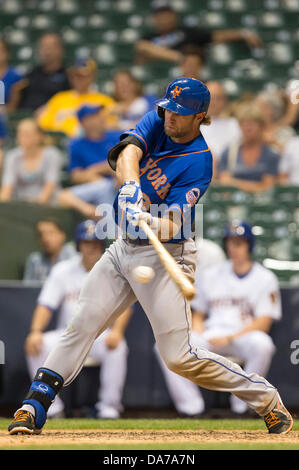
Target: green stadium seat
<point>291,5</point>
<point>213,19</point>
<point>236,5</point>
<point>280,53</point>
<point>287,195</point>
<point>227,195</point>
<point>271,19</point>
<point>12,7</point>
<point>67,6</point>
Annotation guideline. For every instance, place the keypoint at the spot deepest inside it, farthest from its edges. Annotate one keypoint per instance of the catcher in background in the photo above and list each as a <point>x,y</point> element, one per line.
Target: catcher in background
<point>235,304</point>
<point>61,291</point>
<point>164,160</point>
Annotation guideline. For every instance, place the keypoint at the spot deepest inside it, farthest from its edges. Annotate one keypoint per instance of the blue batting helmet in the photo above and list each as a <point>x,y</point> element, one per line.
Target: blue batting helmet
<point>86,231</point>
<point>240,229</point>
<point>185,96</point>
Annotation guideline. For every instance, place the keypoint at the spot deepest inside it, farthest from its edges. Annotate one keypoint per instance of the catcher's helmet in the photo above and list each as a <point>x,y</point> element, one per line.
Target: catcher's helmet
<point>185,96</point>
<point>240,229</point>
<point>86,231</point>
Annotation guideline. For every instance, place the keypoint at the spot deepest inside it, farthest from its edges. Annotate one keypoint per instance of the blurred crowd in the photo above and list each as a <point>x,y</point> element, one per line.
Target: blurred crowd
<point>254,140</point>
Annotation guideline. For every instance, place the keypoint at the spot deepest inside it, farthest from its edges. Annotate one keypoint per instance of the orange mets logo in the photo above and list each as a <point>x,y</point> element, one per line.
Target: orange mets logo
<point>176,91</point>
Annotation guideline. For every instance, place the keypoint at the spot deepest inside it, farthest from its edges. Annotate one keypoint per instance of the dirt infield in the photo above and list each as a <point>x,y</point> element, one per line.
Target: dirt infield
<point>84,437</point>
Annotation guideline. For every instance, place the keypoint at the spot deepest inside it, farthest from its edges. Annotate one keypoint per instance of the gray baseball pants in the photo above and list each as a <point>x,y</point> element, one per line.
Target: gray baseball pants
<point>110,288</point>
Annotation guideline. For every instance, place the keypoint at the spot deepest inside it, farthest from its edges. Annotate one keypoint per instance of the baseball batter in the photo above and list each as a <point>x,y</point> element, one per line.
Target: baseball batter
<point>165,160</point>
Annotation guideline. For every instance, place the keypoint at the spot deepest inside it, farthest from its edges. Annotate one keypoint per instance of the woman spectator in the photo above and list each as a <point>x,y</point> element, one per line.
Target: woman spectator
<point>131,104</point>
<point>249,164</point>
<point>32,169</point>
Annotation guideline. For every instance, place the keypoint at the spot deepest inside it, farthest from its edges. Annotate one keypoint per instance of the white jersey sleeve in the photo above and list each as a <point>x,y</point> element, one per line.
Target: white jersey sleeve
<point>52,293</point>
<point>269,300</point>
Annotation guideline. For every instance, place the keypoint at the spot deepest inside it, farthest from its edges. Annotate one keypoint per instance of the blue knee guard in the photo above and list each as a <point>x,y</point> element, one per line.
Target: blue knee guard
<point>44,388</point>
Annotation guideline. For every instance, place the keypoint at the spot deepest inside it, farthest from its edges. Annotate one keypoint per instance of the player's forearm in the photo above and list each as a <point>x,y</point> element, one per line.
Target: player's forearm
<point>167,229</point>
<point>260,324</point>
<point>41,318</point>
<point>127,166</point>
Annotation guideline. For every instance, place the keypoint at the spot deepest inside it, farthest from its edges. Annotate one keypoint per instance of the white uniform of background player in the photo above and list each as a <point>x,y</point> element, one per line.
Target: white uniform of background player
<point>61,290</point>
<point>185,394</point>
<point>229,303</point>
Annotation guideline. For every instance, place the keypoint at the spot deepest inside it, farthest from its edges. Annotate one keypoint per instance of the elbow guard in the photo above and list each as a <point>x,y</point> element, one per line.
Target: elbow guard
<point>115,151</point>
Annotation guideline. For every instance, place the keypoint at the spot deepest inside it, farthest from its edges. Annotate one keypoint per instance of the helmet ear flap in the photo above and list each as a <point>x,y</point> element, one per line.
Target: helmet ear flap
<point>161,112</point>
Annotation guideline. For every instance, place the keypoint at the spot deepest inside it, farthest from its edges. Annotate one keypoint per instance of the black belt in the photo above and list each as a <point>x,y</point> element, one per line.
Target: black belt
<point>137,241</point>
<point>142,241</point>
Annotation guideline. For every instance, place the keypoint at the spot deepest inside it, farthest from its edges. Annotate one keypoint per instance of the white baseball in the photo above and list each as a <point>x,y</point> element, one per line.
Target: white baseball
<point>143,274</point>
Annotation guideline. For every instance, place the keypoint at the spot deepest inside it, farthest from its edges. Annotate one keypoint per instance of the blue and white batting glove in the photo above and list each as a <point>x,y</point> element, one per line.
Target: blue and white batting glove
<point>130,194</point>
<point>134,214</point>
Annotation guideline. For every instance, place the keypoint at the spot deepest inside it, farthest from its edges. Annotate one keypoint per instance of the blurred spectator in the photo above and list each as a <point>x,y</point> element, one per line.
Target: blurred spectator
<point>168,37</point>
<point>249,164</point>
<point>289,164</point>
<point>291,113</point>
<point>89,170</point>
<point>52,240</point>
<point>223,129</point>
<point>131,104</point>
<point>60,113</point>
<point>32,169</point>
<point>45,79</point>
<point>272,105</point>
<point>8,75</point>
<point>3,135</point>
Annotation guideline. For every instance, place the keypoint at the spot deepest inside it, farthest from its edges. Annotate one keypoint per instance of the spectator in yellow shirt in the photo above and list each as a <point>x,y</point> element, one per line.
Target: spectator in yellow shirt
<point>60,112</point>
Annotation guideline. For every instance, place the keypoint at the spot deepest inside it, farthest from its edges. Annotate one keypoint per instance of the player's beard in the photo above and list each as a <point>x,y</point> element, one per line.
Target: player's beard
<point>172,131</point>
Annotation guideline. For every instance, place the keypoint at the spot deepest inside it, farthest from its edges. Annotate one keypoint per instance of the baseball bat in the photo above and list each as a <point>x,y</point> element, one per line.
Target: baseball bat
<point>169,263</point>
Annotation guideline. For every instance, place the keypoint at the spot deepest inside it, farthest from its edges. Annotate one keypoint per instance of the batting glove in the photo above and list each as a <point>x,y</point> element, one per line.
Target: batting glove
<point>135,214</point>
<point>130,194</point>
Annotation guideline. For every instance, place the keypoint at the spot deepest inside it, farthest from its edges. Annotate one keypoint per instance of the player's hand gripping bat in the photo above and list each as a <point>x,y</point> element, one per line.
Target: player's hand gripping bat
<point>169,263</point>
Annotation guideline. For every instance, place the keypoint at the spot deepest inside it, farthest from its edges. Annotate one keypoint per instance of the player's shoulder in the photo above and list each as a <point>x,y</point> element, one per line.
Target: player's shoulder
<point>67,266</point>
<point>151,118</point>
<point>198,158</point>
<point>216,271</point>
<point>263,274</point>
<point>211,249</point>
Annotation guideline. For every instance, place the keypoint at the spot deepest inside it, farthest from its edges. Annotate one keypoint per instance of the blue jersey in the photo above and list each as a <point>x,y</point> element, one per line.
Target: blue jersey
<point>172,174</point>
<point>9,79</point>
